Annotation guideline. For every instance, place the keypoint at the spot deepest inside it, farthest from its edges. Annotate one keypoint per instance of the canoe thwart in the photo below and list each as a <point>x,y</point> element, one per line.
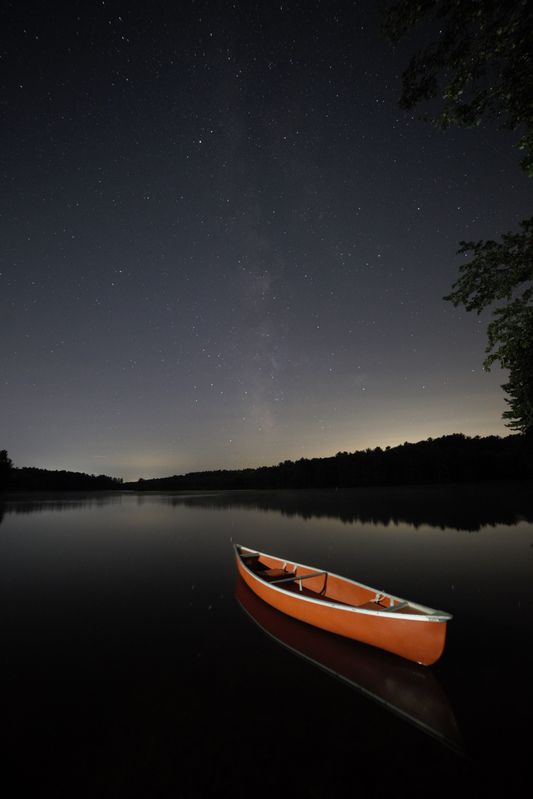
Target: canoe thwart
<point>296,577</point>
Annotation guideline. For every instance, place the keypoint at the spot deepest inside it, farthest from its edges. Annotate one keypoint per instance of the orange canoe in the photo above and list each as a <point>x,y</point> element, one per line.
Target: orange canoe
<point>345,607</point>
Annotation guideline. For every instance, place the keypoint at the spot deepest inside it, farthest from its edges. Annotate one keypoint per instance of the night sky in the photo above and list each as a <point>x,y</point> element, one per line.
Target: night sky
<point>224,246</point>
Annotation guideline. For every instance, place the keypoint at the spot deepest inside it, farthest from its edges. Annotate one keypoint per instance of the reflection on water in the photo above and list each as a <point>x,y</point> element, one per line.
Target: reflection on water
<point>461,507</point>
<point>38,503</point>
<point>408,689</point>
<point>128,669</point>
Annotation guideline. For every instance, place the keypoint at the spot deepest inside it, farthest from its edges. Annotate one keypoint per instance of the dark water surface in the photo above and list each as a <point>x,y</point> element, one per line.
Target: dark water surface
<point>133,663</point>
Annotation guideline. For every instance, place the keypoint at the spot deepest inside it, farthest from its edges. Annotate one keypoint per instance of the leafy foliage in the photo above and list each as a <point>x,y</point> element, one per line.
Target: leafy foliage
<point>481,67</point>
<point>497,270</point>
<point>520,390</point>
<point>504,271</point>
<point>480,64</point>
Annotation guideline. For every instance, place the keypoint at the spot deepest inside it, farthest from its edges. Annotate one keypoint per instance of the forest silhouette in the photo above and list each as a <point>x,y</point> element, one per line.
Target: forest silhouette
<point>450,459</point>
<point>30,478</point>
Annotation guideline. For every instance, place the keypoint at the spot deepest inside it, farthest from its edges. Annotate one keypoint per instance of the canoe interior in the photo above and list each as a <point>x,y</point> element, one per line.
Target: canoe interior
<point>327,587</point>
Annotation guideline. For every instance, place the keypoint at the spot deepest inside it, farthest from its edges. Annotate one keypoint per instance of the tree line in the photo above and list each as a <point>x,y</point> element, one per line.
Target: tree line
<point>30,478</point>
<point>455,458</point>
<point>450,459</point>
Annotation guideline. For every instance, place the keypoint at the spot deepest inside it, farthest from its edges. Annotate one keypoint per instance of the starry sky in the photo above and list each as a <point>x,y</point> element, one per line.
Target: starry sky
<point>224,246</point>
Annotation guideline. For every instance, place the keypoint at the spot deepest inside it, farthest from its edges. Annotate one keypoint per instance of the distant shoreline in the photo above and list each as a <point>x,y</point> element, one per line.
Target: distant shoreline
<point>450,459</point>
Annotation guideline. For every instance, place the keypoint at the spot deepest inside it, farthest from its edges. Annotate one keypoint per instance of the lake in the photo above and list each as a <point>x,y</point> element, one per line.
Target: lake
<point>135,664</point>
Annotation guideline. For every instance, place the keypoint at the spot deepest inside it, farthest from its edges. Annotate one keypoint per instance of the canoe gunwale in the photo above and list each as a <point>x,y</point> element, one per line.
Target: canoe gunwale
<point>429,614</point>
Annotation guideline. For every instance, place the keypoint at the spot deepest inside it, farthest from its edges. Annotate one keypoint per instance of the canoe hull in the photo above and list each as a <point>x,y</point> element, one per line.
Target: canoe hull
<point>418,639</point>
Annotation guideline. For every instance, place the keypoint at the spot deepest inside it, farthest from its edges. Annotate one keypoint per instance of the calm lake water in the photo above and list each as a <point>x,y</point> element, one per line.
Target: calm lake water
<point>134,663</point>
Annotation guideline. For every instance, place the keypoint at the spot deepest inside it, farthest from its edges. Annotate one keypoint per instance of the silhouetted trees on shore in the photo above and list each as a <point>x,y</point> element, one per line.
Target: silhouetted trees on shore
<point>450,459</point>
<point>6,467</point>
<point>33,479</point>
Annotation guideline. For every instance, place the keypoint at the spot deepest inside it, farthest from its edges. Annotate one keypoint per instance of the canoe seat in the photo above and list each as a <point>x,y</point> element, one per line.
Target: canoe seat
<point>276,574</point>
<point>400,606</point>
<point>249,557</point>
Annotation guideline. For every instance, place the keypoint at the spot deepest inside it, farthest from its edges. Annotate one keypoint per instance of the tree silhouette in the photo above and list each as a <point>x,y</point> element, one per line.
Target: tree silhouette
<point>480,67</point>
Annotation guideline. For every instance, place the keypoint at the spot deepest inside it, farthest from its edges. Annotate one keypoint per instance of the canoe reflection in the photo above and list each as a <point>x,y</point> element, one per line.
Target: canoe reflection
<point>407,689</point>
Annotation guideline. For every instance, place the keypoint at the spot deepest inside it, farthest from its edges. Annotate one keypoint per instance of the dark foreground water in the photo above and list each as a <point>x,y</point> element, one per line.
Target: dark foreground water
<point>134,664</point>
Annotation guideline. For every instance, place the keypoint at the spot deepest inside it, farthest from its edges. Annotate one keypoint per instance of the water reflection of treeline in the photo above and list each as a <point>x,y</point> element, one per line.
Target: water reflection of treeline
<point>21,504</point>
<point>459,507</point>
<point>456,458</point>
